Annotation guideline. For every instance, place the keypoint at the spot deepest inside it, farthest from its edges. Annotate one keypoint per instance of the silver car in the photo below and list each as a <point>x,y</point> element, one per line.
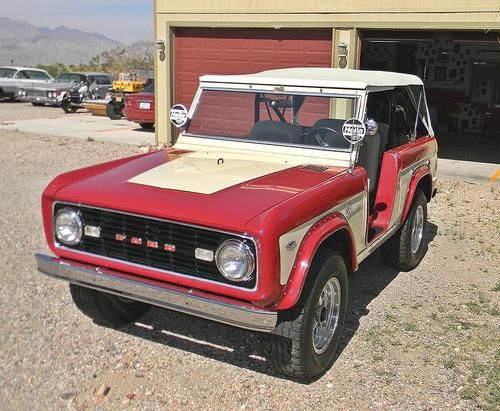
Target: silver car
<point>14,78</point>
<point>52,94</point>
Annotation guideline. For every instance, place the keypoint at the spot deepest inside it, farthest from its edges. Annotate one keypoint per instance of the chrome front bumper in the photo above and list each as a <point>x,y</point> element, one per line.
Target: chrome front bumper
<point>175,298</point>
<point>39,99</point>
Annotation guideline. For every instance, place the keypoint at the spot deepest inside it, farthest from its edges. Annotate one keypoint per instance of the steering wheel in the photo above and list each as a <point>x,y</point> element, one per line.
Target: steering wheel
<point>321,136</point>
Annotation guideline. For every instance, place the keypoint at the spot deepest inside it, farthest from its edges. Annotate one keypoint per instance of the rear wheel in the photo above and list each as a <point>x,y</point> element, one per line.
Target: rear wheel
<point>406,248</point>
<point>114,110</point>
<point>306,337</point>
<point>106,309</point>
<point>147,126</point>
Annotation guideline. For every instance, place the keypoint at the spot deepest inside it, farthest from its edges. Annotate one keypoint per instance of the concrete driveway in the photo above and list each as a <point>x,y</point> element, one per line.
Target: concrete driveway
<point>85,127</point>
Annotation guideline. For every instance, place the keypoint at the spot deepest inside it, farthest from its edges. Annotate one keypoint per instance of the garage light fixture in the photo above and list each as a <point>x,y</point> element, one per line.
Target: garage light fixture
<point>160,45</point>
<point>343,54</point>
<point>160,48</point>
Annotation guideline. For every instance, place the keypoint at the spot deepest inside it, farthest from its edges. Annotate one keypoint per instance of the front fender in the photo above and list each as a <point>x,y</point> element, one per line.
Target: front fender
<point>318,233</point>
<point>422,176</point>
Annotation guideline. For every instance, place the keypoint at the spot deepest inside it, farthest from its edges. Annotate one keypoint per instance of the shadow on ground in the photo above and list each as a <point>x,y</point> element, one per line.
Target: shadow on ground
<point>140,129</point>
<point>469,147</point>
<point>243,348</point>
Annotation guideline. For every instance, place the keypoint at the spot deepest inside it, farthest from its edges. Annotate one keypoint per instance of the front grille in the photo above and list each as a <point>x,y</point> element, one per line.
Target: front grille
<point>37,93</point>
<point>185,239</point>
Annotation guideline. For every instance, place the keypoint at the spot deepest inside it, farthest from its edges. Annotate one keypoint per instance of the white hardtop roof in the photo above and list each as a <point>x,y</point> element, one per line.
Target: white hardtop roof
<point>320,77</point>
<point>19,68</point>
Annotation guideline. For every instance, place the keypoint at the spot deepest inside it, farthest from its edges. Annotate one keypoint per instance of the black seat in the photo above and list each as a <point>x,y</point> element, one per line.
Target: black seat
<point>277,131</point>
<point>371,151</point>
<point>319,135</point>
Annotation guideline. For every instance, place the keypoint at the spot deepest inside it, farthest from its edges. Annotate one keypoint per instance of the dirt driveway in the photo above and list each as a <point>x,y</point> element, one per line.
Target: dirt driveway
<point>428,339</point>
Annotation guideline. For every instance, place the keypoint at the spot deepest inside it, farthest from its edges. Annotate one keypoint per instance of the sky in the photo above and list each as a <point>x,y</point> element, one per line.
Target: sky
<point>123,20</point>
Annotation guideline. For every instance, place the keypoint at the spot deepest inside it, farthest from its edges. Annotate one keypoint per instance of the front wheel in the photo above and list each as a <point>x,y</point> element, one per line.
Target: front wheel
<point>406,248</point>
<point>66,106</point>
<point>106,308</point>
<point>306,337</point>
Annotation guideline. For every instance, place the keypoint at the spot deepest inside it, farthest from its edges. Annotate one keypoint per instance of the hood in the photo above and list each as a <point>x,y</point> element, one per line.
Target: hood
<point>224,191</point>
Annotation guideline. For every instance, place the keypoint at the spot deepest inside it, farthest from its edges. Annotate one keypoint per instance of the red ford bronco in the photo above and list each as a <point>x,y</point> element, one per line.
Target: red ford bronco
<point>279,185</point>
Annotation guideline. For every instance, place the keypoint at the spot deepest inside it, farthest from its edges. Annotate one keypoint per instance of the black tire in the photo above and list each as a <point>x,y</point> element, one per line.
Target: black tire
<point>290,351</point>
<point>147,126</point>
<point>66,106</point>
<point>397,251</point>
<point>106,309</point>
<point>114,111</point>
<point>38,104</point>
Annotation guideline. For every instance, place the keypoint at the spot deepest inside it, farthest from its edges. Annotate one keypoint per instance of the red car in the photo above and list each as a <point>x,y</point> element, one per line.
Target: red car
<point>140,107</point>
<point>279,185</point>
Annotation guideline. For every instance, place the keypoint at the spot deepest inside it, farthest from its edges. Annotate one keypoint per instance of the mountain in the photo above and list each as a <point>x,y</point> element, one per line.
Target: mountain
<point>28,45</point>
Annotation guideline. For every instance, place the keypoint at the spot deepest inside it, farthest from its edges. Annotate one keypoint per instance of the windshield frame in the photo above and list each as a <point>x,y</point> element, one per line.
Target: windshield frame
<point>359,97</point>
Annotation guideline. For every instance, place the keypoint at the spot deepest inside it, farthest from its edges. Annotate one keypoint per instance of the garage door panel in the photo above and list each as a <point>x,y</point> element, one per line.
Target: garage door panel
<point>234,51</point>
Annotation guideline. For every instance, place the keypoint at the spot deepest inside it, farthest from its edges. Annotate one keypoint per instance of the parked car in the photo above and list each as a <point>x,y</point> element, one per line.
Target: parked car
<point>279,185</point>
<point>140,107</point>
<point>52,94</point>
<point>95,86</point>
<point>14,78</point>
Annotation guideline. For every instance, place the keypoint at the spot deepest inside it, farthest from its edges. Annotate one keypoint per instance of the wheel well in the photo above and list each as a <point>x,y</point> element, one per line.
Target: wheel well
<point>339,241</point>
<point>425,184</point>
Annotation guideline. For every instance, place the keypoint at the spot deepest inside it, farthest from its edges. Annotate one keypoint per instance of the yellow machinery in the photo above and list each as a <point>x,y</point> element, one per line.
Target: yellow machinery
<point>127,83</point>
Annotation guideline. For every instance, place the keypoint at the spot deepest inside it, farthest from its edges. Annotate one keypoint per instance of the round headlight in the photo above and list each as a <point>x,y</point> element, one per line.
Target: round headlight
<point>68,226</point>
<point>235,260</point>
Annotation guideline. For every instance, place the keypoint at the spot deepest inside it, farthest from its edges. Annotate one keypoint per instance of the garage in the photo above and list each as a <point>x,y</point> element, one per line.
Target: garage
<point>235,51</point>
<point>461,72</point>
<point>453,44</point>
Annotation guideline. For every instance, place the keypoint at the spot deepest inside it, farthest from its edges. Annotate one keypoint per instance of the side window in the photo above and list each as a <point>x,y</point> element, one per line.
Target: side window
<point>102,80</point>
<point>421,127</point>
<point>378,107</point>
<point>405,115</point>
<point>23,75</point>
<point>37,75</point>
<point>402,130</point>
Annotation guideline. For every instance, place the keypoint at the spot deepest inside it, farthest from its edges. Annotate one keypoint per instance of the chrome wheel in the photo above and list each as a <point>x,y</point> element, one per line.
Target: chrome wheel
<point>417,230</point>
<point>326,316</point>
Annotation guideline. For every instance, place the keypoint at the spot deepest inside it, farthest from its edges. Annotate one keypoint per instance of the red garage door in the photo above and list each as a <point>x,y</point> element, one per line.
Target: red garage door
<point>241,51</point>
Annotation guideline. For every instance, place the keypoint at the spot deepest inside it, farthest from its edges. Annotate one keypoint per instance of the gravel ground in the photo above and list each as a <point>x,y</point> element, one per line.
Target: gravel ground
<point>428,339</point>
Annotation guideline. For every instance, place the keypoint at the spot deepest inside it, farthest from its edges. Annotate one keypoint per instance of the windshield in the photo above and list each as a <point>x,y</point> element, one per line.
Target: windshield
<point>7,72</point>
<point>101,80</point>
<point>69,78</point>
<point>150,88</point>
<point>260,117</point>
<point>36,75</point>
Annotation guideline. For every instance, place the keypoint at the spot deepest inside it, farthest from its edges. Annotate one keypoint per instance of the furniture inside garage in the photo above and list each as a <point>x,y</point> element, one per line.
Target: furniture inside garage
<point>461,72</point>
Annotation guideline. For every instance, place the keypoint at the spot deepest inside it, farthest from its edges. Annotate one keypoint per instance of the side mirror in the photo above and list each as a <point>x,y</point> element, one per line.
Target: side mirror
<point>179,116</point>
<point>371,127</point>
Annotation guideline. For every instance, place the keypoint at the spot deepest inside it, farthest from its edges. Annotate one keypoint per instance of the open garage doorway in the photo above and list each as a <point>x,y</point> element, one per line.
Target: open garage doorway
<point>461,72</point>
